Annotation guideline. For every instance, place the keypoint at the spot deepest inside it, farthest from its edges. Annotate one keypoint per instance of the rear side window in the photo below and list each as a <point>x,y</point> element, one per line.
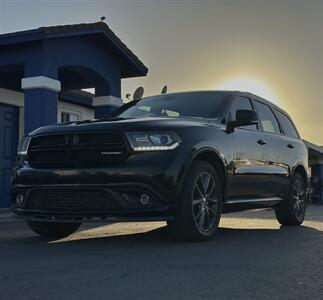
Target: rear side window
<point>267,118</point>
<point>242,103</point>
<point>286,125</point>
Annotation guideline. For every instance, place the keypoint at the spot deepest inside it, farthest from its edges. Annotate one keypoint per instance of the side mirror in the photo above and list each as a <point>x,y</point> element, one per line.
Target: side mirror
<point>244,117</point>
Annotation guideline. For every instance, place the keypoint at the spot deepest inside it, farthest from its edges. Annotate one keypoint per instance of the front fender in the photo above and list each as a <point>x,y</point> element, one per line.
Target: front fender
<point>220,146</point>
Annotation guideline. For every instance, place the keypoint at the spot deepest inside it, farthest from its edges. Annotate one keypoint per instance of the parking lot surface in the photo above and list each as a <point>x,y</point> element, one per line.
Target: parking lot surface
<point>251,257</point>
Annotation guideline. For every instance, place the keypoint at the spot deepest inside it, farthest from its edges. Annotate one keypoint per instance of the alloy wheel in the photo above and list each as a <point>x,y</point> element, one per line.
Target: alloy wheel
<point>205,202</point>
<point>299,198</point>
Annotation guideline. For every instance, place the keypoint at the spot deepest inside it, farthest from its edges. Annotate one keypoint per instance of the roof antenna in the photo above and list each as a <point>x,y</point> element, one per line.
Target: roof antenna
<point>102,18</point>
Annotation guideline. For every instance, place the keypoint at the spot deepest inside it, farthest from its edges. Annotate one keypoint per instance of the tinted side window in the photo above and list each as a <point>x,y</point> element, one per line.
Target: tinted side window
<point>286,125</point>
<point>267,118</point>
<point>242,103</point>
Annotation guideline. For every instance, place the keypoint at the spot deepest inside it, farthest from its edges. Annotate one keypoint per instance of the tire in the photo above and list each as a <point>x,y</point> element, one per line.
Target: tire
<point>292,210</point>
<point>199,208</point>
<point>52,229</point>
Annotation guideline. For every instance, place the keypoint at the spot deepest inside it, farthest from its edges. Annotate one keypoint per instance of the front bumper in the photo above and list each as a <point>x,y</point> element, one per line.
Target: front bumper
<point>157,175</point>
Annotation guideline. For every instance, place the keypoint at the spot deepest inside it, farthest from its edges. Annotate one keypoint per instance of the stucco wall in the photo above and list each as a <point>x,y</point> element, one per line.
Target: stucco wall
<point>17,99</point>
<point>85,113</point>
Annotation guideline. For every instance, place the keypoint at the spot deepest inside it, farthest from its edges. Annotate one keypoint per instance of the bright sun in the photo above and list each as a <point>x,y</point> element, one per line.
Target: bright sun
<point>249,85</point>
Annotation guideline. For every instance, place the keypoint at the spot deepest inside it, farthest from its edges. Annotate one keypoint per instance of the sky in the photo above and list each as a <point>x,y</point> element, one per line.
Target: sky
<point>272,48</point>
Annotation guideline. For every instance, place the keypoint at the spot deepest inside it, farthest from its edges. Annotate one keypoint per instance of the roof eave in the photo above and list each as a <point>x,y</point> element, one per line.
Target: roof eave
<point>21,37</point>
<point>137,68</point>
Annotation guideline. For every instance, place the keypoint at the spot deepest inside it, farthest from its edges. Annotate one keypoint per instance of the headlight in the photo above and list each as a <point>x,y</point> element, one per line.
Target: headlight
<point>23,145</point>
<point>153,141</point>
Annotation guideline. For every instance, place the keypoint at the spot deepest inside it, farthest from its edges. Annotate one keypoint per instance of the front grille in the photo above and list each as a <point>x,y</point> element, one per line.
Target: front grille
<point>81,149</point>
<point>49,140</point>
<point>73,200</point>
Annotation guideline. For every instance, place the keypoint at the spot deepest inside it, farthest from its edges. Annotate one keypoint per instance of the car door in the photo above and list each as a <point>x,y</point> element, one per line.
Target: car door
<point>281,151</point>
<point>250,153</point>
<point>289,144</point>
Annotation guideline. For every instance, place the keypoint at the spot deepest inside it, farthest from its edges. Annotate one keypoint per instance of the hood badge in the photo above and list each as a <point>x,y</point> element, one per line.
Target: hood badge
<point>76,139</point>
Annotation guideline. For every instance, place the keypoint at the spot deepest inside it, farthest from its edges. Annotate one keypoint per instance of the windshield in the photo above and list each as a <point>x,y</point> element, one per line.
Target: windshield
<point>198,105</point>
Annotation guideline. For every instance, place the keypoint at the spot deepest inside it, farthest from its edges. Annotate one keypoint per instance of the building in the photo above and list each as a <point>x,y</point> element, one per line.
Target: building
<point>42,73</point>
<point>315,160</point>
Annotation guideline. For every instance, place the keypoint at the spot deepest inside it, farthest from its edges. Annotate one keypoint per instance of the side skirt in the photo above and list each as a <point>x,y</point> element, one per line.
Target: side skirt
<point>246,204</point>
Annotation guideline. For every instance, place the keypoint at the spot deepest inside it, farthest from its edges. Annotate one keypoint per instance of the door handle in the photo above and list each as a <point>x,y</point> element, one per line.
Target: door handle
<point>290,146</point>
<point>261,142</point>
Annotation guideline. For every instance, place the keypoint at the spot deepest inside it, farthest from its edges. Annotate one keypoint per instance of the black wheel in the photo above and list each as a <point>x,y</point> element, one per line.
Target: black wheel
<point>52,229</point>
<point>199,208</point>
<point>292,210</point>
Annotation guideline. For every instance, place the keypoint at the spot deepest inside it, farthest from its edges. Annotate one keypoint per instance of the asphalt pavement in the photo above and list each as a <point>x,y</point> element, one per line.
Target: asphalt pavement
<point>251,257</point>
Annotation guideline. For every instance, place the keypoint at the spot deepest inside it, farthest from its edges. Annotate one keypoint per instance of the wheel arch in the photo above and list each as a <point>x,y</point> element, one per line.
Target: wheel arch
<point>214,158</point>
<point>300,169</point>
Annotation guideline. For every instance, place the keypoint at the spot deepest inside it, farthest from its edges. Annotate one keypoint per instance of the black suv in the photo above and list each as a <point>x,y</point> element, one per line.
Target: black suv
<point>184,158</point>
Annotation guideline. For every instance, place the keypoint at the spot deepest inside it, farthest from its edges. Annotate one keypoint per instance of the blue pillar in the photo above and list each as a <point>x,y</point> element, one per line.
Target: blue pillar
<point>104,102</point>
<point>105,105</point>
<point>41,96</point>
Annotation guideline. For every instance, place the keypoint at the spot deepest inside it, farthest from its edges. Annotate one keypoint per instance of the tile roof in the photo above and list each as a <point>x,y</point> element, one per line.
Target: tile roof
<point>74,29</point>
<point>314,147</point>
<point>78,97</point>
<point>97,26</point>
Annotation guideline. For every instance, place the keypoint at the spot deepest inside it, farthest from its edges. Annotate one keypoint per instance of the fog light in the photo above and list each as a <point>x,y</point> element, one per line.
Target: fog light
<point>19,199</point>
<point>144,199</point>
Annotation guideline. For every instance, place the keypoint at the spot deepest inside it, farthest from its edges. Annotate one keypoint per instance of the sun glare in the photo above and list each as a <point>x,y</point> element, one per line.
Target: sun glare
<point>249,85</point>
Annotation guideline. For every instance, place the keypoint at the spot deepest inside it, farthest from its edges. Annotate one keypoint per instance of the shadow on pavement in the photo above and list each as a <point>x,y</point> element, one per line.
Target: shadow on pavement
<point>314,213</point>
<point>296,236</point>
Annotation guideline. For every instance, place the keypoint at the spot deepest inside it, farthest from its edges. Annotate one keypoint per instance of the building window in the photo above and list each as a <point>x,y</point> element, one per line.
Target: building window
<point>69,117</point>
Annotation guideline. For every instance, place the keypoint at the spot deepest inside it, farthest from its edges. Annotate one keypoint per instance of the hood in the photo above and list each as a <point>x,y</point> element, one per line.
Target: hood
<point>116,124</point>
